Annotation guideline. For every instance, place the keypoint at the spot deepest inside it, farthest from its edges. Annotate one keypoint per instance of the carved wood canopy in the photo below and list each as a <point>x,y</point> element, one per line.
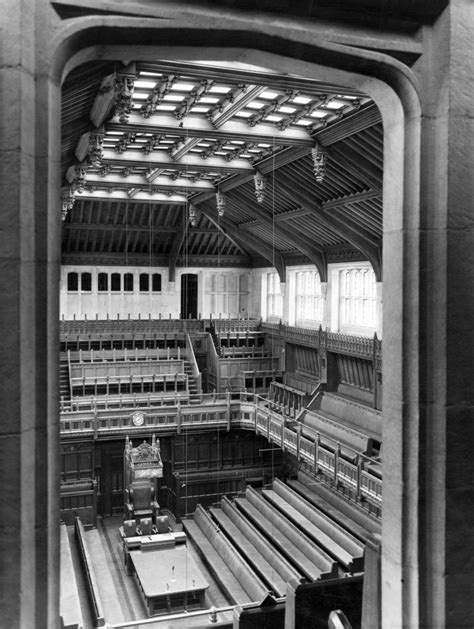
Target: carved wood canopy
<point>144,460</point>
<point>147,147</point>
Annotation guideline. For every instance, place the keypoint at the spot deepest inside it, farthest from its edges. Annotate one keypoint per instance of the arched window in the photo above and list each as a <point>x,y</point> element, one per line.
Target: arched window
<point>156,283</point>
<point>115,282</point>
<point>274,298</point>
<point>309,300</point>
<point>144,282</point>
<point>72,282</point>
<point>103,282</point>
<point>86,282</point>
<point>128,282</point>
<point>358,298</point>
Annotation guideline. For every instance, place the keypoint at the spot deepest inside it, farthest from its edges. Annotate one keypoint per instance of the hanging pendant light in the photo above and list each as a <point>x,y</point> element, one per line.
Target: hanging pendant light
<point>192,215</point>
<point>260,184</point>
<point>319,156</point>
<point>221,201</point>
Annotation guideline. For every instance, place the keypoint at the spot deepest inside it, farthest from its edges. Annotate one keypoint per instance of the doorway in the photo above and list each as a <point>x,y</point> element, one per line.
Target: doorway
<point>189,296</point>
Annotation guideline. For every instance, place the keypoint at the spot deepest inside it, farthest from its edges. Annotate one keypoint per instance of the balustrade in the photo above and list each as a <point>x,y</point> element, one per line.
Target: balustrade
<point>359,473</point>
<point>360,346</point>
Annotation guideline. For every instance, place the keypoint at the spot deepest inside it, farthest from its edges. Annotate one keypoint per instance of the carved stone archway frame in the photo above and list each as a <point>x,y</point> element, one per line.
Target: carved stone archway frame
<point>32,591</point>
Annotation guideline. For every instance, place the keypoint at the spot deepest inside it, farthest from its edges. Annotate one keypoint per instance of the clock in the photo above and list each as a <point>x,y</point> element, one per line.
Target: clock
<point>138,418</point>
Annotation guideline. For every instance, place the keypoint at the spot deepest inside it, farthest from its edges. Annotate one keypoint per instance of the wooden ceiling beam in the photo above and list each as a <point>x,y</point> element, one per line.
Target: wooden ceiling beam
<point>230,109</point>
<point>356,197</point>
<point>161,159</point>
<point>235,75</point>
<point>308,202</point>
<point>158,198</point>
<point>231,230</point>
<point>314,253</point>
<point>136,181</point>
<point>199,127</point>
<point>112,227</point>
<point>357,166</point>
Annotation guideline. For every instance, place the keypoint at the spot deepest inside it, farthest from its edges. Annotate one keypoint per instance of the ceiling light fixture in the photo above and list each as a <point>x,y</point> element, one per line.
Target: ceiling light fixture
<point>221,202</point>
<point>192,215</point>
<point>260,184</point>
<point>319,156</point>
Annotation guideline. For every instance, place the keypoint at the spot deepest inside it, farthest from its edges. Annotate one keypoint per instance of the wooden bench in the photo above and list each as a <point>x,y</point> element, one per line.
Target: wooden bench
<point>69,601</point>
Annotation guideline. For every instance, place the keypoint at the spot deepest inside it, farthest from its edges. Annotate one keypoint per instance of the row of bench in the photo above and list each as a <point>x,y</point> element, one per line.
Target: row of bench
<point>257,543</point>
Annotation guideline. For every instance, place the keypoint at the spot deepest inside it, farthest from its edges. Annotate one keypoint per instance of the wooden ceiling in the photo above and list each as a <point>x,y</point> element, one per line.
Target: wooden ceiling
<point>146,147</point>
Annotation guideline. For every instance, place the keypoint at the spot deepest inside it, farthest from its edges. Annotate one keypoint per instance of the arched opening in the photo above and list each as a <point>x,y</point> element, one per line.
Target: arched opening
<point>397,102</point>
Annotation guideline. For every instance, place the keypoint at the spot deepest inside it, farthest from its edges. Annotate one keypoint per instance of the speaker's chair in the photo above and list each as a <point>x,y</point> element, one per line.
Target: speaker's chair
<point>140,501</point>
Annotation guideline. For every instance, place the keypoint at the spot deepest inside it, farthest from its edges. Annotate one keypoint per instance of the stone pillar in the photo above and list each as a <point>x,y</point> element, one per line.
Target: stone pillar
<point>379,308</point>
<point>446,531</point>
<point>29,313</point>
<point>427,532</point>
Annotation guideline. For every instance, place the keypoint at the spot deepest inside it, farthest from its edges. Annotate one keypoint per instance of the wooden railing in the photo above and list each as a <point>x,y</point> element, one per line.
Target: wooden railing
<point>194,366</point>
<point>360,474</point>
<point>361,346</point>
<point>124,355</point>
<point>130,326</point>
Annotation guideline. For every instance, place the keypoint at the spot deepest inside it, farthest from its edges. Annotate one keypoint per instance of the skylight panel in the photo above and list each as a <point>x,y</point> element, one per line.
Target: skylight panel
<point>204,144</point>
<point>244,114</point>
<point>136,106</point>
<point>209,99</point>
<point>143,73</point>
<point>113,133</point>
<point>183,87</point>
<point>144,84</point>
<point>304,122</point>
<point>301,100</point>
<point>220,153</point>
<point>286,110</point>
<point>174,97</point>
<point>140,96</point>
<point>256,105</point>
<point>335,104</point>
<point>273,118</point>
<point>318,114</point>
<point>165,107</point>
<point>219,89</point>
<point>268,94</point>
<point>263,145</point>
<point>237,142</point>
<point>199,110</point>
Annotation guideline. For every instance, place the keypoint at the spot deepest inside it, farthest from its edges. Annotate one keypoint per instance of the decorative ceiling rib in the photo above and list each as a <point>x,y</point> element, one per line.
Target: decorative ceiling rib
<point>146,148</point>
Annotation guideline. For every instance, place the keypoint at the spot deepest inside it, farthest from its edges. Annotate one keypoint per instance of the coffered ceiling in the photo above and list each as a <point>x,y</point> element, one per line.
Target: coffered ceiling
<point>147,147</point>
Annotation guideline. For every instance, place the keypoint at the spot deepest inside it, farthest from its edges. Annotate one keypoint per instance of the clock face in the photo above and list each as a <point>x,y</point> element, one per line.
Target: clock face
<point>138,418</point>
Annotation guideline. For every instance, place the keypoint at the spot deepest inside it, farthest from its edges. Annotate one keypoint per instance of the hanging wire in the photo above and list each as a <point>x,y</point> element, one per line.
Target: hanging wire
<point>272,350</point>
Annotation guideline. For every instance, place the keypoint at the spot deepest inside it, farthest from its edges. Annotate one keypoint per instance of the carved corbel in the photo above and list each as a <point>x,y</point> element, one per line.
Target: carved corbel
<point>67,201</point>
<point>124,86</point>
